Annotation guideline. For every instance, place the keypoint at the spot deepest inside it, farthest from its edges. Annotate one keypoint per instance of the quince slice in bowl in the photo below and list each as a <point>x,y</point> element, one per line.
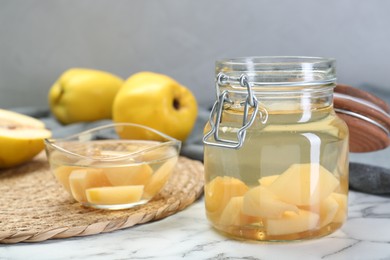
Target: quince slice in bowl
<point>21,138</point>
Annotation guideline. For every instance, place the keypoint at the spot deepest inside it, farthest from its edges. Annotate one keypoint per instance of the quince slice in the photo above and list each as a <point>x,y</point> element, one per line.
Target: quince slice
<point>304,184</point>
<point>342,201</point>
<point>21,138</point>
<point>62,174</point>
<point>83,179</point>
<point>292,222</point>
<point>260,202</point>
<point>129,175</point>
<point>232,214</point>
<point>268,180</point>
<point>115,195</point>
<point>328,210</point>
<point>220,190</point>
<point>159,178</point>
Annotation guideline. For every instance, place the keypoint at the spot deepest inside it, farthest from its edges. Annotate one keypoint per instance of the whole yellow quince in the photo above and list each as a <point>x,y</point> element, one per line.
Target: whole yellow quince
<point>21,138</point>
<point>82,95</point>
<point>157,101</point>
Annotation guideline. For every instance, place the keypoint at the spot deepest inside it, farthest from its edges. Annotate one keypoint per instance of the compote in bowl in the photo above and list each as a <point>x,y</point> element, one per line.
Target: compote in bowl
<point>115,166</point>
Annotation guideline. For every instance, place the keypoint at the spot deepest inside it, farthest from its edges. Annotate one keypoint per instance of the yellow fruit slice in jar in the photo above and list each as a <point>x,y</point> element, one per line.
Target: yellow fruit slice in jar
<point>232,214</point>
<point>328,210</point>
<point>115,195</point>
<point>292,222</point>
<point>129,175</point>
<point>218,193</point>
<point>159,178</point>
<point>342,201</point>
<point>260,202</point>
<point>83,179</point>
<point>304,184</point>
<point>268,180</point>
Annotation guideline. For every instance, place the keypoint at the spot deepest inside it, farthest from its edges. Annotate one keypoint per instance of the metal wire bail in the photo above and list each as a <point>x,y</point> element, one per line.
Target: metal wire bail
<point>216,113</point>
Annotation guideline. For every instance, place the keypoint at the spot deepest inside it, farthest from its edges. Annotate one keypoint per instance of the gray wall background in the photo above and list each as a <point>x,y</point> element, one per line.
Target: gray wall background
<point>183,38</point>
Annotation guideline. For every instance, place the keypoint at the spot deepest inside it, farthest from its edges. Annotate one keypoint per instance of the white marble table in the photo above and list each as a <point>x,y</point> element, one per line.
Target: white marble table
<point>187,235</point>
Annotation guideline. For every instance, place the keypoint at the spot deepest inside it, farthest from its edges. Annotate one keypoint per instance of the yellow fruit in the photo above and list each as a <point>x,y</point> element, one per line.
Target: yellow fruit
<point>218,193</point>
<point>81,95</point>
<point>159,178</point>
<point>21,138</point>
<point>304,184</point>
<point>268,180</point>
<point>260,202</point>
<point>328,210</point>
<point>342,201</point>
<point>157,101</point>
<point>83,179</point>
<point>62,174</point>
<point>232,214</point>
<point>115,195</point>
<point>130,175</point>
<point>292,222</point>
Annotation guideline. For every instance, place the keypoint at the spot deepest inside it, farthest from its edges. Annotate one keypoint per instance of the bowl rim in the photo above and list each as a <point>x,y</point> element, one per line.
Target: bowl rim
<point>51,142</point>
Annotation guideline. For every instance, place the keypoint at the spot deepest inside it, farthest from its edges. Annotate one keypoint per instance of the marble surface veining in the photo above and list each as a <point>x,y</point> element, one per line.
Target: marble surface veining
<point>188,235</point>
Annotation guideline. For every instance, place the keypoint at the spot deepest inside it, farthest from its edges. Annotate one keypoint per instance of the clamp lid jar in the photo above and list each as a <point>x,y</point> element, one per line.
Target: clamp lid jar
<point>276,154</point>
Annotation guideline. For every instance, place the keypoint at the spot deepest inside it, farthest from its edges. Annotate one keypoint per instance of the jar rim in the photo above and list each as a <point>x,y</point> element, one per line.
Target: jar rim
<point>276,60</point>
<point>279,71</point>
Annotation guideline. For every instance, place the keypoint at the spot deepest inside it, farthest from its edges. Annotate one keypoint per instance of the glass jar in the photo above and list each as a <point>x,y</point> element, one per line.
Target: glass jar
<point>276,154</point>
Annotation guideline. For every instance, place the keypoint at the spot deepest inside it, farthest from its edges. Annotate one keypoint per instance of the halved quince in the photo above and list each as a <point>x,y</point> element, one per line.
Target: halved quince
<point>21,138</point>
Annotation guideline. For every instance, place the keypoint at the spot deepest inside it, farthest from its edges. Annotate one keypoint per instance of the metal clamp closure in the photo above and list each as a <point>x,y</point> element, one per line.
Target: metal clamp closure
<point>216,113</point>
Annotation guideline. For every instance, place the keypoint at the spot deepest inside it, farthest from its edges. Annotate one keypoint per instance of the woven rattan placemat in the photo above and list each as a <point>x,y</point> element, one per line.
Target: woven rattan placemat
<point>34,207</point>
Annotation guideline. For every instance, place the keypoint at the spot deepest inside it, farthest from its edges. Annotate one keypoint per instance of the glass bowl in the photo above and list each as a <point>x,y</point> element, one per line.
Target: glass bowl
<point>115,166</point>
